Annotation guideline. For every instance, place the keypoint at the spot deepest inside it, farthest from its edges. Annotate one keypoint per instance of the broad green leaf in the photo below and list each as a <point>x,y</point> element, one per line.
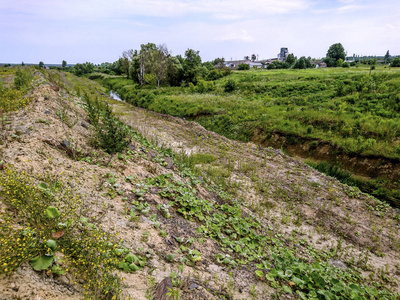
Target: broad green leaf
<point>259,273</point>
<point>52,212</point>
<point>56,269</point>
<point>39,263</point>
<point>52,244</point>
<point>132,258</point>
<point>287,289</point>
<point>134,267</point>
<point>43,186</point>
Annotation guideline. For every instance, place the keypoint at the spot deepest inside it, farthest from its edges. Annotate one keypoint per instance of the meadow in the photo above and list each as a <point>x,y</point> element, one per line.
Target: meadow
<point>354,110</point>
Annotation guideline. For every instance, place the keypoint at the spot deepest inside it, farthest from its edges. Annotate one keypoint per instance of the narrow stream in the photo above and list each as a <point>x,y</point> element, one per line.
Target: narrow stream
<point>115,96</point>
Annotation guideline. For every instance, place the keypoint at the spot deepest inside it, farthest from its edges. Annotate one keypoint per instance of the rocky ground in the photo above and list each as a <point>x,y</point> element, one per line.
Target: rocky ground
<point>288,198</point>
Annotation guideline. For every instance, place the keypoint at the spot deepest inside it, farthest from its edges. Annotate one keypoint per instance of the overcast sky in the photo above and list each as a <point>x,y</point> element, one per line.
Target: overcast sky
<point>99,30</point>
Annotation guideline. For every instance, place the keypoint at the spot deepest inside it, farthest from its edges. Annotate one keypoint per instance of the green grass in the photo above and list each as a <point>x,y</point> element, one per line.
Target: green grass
<point>355,112</point>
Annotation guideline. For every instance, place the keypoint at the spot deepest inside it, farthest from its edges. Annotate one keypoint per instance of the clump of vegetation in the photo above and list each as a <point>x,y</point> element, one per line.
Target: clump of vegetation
<point>52,233</point>
<point>111,134</point>
<point>23,78</point>
<point>230,86</point>
<point>243,67</point>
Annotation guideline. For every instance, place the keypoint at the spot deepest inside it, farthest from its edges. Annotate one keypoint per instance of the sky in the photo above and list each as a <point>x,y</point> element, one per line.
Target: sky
<point>100,30</point>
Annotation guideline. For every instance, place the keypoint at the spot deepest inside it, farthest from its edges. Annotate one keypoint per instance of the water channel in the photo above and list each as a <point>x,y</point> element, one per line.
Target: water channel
<point>115,96</point>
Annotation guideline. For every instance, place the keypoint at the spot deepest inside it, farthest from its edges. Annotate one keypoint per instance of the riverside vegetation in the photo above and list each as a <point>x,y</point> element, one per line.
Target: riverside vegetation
<point>230,221</point>
<point>351,112</point>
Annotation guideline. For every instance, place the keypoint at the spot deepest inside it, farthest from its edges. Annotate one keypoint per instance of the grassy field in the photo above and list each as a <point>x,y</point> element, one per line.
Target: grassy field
<point>355,110</point>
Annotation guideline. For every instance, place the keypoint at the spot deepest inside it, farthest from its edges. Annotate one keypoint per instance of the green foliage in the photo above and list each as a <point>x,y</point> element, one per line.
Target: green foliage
<point>111,134</point>
<point>335,52</point>
<point>23,78</point>
<point>303,63</point>
<point>230,86</point>
<point>243,67</point>
<point>291,59</point>
<point>83,69</point>
<point>50,219</point>
<point>395,62</point>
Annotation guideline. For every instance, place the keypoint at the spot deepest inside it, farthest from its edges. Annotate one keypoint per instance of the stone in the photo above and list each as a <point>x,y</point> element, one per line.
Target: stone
<point>193,286</point>
<point>163,288</point>
<point>338,264</point>
<point>84,125</point>
<point>170,162</point>
<point>151,154</point>
<point>65,144</point>
<point>47,112</point>
<point>20,130</point>
<point>132,146</point>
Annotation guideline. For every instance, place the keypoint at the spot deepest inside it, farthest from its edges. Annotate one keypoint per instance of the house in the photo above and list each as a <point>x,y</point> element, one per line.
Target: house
<point>318,64</point>
<point>233,64</point>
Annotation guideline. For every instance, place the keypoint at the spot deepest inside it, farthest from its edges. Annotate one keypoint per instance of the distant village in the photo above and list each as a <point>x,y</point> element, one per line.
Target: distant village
<point>253,62</point>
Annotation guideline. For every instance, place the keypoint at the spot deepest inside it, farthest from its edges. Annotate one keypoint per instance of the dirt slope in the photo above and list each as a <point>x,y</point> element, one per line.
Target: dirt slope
<point>290,200</point>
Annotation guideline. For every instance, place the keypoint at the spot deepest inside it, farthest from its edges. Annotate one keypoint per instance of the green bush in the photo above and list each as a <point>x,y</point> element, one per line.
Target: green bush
<point>395,62</point>
<point>23,78</point>
<point>243,67</point>
<point>230,85</point>
<point>112,134</point>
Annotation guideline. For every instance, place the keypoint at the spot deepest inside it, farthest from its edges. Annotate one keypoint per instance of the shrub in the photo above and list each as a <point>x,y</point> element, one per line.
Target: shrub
<point>243,67</point>
<point>395,62</point>
<point>23,78</point>
<point>346,65</point>
<point>112,134</point>
<point>230,85</point>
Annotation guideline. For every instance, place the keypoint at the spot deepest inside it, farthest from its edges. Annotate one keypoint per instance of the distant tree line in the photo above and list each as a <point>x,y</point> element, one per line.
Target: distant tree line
<point>154,65</point>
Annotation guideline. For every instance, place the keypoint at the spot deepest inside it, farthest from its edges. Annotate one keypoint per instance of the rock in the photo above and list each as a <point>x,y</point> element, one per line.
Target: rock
<point>132,146</point>
<point>55,88</point>
<point>338,264</point>
<point>162,289</point>
<point>151,154</point>
<point>46,98</point>
<point>146,220</point>
<point>47,112</point>
<point>193,286</point>
<point>65,144</point>
<point>20,130</point>
<point>170,162</point>
<point>84,125</point>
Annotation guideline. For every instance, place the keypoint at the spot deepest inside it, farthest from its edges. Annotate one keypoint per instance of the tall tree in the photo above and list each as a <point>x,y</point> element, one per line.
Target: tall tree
<point>161,58</point>
<point>387,57</point>
<point>64,64</point>
<point>126,61</point>
<point>335,52</point>
<point>253,57</point>
<point>290,59</point>
<point>41,64</point>
<point>191,64</point>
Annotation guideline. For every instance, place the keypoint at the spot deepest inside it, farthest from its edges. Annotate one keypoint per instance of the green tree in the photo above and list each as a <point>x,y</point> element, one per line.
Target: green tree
<point>291,59</point>
<point>387,57</point>
<point>395,62</point>
<point>41,64</point>
<point>335,52</point>
<point>191,65</point>
<point>64,64</point>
